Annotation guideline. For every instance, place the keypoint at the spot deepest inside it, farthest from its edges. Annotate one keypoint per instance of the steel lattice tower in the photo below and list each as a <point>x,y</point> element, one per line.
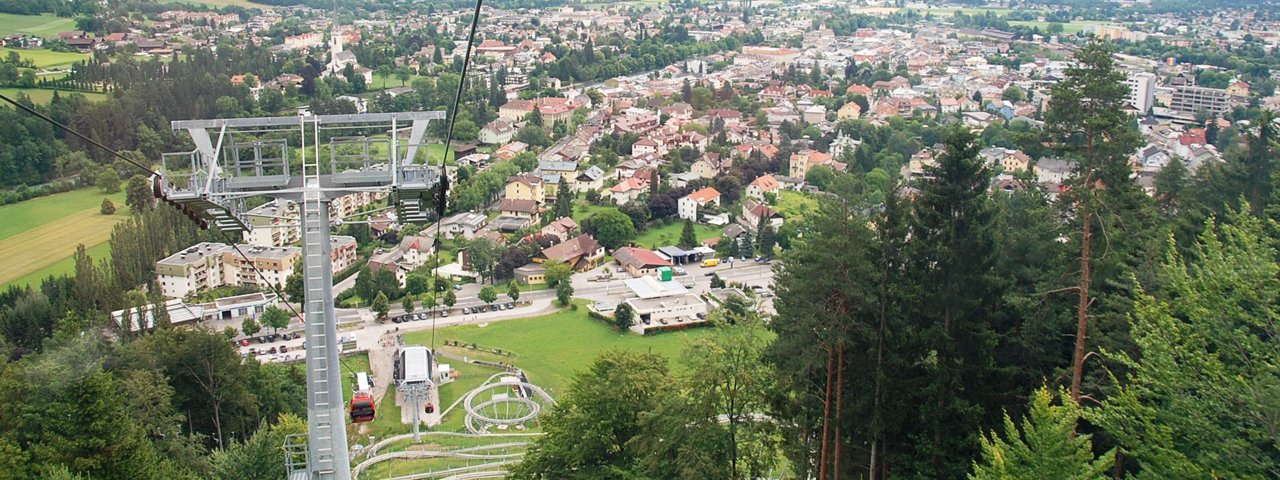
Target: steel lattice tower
<point>252,157</point>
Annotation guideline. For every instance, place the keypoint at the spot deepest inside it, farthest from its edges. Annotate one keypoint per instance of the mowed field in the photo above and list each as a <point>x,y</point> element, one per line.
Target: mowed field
<point>39,25</point>
<point>551,348</point>
<point>40,235</point>
<point>45,58</point>
<point>44,95</point>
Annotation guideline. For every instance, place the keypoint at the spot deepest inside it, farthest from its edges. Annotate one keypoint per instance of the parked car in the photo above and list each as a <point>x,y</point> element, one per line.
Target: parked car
<point>511,305</point>
<point>396,319</point>
<point>457,286</point>
<point>444,313</point>
<point>253,351</point>
<point>284,348</point>
<point>480,309</point>
<point>244,342</point>
<point>272,351</point>
<point>466,310</point>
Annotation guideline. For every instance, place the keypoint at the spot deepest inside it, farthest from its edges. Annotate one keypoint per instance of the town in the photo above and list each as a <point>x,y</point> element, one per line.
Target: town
<point>945,193</point>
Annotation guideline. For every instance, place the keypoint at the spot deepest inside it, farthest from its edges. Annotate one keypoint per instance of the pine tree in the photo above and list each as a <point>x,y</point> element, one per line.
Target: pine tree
<point>1087,123</point>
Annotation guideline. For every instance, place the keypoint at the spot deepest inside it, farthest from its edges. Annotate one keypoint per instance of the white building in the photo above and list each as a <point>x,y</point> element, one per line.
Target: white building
<point>1142,91</point>
<point>663,305</point>
<point>688,205</point>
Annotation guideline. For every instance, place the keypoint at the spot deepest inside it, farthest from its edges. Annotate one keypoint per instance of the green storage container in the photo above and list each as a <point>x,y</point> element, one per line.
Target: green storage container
<point>664,274</point>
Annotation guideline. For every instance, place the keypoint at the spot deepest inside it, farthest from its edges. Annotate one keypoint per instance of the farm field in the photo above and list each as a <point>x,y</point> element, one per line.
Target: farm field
<point>40,235</point>
<point>552,347</point>
<point>44,95</point>
<point>45,58</point>
<point>65,266</point>
<point>45,25</point>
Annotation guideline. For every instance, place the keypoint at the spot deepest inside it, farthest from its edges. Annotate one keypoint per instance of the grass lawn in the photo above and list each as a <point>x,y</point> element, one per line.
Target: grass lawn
<point>38,234</point>
<point>45,25</point>
<point>669,234</point>
<point>44,58</point>
<point>44,95</point>
<point>552,347</point>
<point>582,210</point>
<point>795,205</point>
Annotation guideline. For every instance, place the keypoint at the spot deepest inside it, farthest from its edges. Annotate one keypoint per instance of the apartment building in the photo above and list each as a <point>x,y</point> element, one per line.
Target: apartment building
<point>275,223</point>
<point>206,266</point>
<point>195,269</point>
<point>1189,100</point>
<point>1142,91</point>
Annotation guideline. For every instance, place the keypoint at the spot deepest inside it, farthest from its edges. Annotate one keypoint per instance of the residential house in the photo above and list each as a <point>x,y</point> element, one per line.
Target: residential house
<point>557,169</point>
<point>582,253</point>
<point>688,205</point>
<point>1053,170</point>
<point>710,165</point>
<point>753,211</point>
<point>589,179</point>
<point>508,207</point>
<point>639,261</point>
<point>805,159</point>
<point>411,253</point>
<point>525,187</point>
<point>645,146</point>
<point>465,225</point>
<point>1006,159</point>
<point>206,266</point>
<point>497,132</point>
<point>762,185</point>
<point>628,189</point>
<point>848,111</point>
<point>516,110</point>
<point>815,114</point>
<point>561,229</point>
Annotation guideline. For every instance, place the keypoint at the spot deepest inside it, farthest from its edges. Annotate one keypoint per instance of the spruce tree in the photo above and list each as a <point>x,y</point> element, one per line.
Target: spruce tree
<point>564,198</point>
<point>951,264</point>
<point>688,238</point>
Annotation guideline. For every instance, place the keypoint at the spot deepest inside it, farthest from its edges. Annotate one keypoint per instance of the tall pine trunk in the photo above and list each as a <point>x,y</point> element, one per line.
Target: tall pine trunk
<point>835,468</point>
<point>1082,309</point>
<point>826,416</point>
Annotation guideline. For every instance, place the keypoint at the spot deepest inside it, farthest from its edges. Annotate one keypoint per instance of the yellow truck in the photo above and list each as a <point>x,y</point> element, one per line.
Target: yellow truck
<point>710,262</point>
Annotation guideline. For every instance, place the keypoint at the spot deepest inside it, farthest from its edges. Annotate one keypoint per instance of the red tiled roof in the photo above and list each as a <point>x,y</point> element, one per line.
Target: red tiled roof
<point>639,258</point>
<point>766,183</point>
<point>705,195</point>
